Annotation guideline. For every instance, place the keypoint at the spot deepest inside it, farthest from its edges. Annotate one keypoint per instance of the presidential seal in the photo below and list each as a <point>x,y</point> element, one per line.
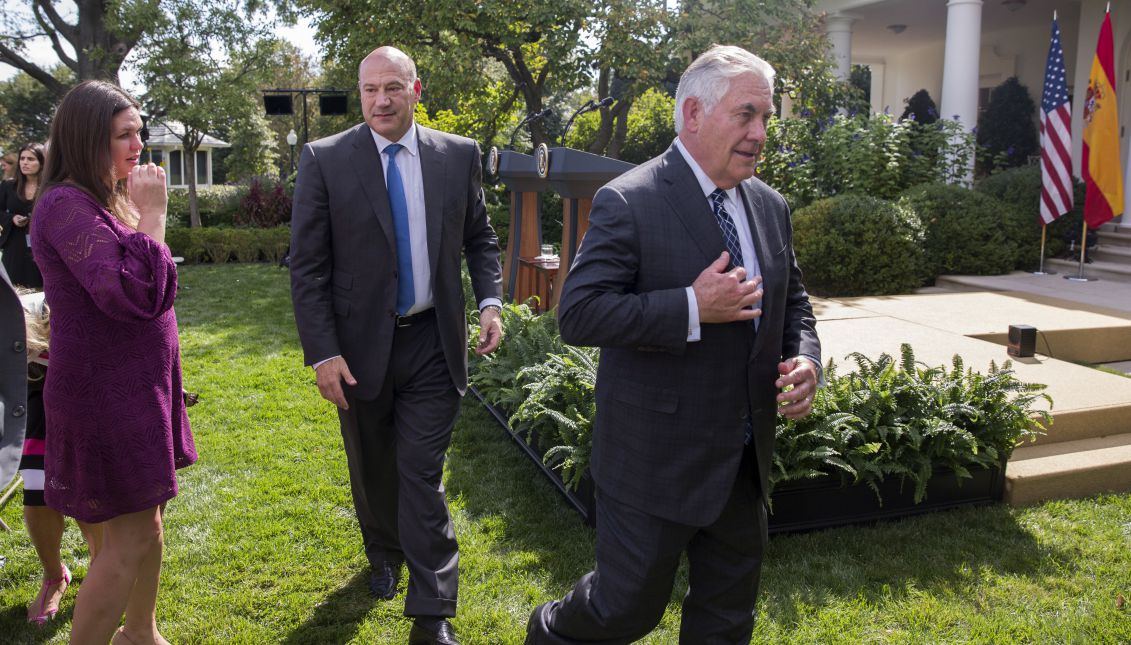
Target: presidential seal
<point>542,160</point>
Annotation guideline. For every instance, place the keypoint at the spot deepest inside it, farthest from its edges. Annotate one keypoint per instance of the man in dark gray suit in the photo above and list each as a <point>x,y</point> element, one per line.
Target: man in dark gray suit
<point>383,213</point>
<point>686,280</point>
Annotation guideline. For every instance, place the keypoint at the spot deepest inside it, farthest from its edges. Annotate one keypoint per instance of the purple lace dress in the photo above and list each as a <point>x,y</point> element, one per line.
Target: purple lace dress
<point>113,393</point>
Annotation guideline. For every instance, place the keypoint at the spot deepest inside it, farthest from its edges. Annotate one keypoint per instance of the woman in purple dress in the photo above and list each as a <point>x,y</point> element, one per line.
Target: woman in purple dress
<point>113,394</point>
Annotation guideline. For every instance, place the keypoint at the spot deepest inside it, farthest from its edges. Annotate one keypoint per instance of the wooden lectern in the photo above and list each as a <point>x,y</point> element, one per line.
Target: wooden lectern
<point>519,174</point>
<point>576,176</point>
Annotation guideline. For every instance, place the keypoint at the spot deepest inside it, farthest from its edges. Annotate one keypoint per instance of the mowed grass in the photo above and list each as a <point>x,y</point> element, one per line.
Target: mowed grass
<point>262,545</point>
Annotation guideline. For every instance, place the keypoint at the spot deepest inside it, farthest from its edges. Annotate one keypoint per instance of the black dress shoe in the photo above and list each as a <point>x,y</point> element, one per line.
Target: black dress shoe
<point>383,580</point>
<point>432,633</point>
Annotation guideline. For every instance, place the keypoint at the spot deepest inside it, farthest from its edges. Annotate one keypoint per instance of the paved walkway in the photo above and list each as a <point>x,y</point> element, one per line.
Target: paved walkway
<point>1109,294</point>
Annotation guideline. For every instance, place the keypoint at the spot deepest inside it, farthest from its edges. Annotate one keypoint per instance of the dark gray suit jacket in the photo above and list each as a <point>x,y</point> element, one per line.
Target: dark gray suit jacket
<point>343,250</point>
<point>13,380</point>
<point>671,415</point>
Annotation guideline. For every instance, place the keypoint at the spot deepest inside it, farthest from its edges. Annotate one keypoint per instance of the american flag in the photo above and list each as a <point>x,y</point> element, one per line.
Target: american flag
<point>1056,136</point>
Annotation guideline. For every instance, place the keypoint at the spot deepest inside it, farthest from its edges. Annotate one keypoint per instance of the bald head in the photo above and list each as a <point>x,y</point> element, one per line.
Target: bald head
<point>389,57</point>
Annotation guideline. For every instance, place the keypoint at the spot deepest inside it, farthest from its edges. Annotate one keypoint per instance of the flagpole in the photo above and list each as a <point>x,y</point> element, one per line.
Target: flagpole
<point>1079,277</point>
<point>1041,267</point>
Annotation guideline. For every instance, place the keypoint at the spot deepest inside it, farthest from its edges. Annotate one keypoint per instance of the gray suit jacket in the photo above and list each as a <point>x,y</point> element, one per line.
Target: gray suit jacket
<point>13,380</point>
<point>343,250</point>
<point>671,415</point>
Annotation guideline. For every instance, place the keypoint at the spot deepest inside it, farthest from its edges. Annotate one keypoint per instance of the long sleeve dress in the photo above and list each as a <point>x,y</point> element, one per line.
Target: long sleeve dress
<point>112,396</point>
<point>14,242</point>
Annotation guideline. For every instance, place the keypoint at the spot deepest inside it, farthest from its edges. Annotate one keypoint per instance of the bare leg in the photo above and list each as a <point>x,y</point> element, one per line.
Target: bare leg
<point>141,610</point>
<point>45,528</point>
<point>130,542</point>
<point>92,533</point>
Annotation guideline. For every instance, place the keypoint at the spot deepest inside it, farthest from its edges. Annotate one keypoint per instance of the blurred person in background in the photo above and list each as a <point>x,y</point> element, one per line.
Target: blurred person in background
<point>44,524</point>
<point>17,198</point>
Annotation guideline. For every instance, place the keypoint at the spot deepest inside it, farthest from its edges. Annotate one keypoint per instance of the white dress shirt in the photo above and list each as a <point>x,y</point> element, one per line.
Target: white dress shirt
<point>737,212</point>
<point>408,163</point>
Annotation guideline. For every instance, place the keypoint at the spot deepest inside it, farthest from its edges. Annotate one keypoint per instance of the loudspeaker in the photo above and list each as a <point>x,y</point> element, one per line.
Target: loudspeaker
<point>277,104</point>
<point>1022,341</point>
<point>332,104</point>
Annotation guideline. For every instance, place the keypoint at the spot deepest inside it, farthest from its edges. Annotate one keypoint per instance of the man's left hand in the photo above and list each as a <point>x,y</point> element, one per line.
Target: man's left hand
<point>490,331</point>
<point>802,375</point>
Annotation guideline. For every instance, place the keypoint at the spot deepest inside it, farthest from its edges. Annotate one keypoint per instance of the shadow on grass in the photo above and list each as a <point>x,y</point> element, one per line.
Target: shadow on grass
<point>943,553</point>
<point>493,479</point>
<point>938,553</point>
<point>337,618</point>
<point>15,619</point>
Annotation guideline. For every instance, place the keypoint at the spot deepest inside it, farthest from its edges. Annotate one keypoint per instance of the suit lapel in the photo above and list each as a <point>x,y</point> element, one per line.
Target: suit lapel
<point>366,161</point>
<point>756,221</point>
<point>690,205</point>
<point>432,176</point>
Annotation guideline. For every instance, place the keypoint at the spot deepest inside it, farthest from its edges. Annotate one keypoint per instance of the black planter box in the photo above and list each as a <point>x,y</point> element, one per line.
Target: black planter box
<point>824,503</point>
<point>582,500</point>
<point>815,503</point>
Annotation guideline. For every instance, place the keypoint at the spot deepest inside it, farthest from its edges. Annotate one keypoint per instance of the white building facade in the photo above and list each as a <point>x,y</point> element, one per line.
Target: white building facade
<point>958,50</point>
<point>165,149</point>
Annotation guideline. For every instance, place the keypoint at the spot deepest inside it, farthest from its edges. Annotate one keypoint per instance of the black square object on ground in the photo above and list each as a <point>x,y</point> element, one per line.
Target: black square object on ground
<point>278,104</point>
<point>1022,341</point>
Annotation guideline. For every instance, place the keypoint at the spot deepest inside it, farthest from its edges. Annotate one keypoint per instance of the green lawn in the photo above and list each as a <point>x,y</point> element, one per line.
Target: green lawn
<point>262,545</point>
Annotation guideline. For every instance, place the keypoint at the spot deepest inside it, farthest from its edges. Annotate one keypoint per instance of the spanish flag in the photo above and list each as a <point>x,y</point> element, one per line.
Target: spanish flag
<point>1102,172</point>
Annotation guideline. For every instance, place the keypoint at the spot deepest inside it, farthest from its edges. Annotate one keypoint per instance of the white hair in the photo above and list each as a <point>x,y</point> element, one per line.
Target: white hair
<point>708,77</point>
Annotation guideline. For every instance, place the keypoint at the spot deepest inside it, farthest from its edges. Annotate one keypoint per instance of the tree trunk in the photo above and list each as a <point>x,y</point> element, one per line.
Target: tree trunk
<point>620,115</point>
<point>189,166</point>
<point>605,127</point>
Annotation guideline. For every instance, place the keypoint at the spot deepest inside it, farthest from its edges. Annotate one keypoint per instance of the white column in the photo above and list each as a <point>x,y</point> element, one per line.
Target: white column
<point>839,29</point>
<point>1125,218</point>
<point>961,64</point>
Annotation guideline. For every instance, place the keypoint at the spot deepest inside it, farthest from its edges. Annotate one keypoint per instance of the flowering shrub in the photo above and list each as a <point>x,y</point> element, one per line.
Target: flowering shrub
<point>873,155</point>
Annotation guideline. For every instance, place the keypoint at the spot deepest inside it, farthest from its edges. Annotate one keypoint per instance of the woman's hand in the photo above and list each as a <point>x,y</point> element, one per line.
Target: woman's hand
<point>149,196</point>
<point>19,220</point>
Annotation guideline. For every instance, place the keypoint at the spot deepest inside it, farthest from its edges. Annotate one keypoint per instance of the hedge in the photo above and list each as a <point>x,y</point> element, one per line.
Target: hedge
<point>221,245</point>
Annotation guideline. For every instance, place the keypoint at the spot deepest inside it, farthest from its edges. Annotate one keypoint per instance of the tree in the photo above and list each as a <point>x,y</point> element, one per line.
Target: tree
<point>920,108</point>
<point>253,151</point>
<point>1006,127</point>
<point>26,108</point>
<point>102,35</point>
<point>537,42</point>
<point>203,71</point>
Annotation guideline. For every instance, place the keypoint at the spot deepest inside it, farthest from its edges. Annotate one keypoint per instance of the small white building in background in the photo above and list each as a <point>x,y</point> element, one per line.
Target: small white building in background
<point>959,50</point>
<point>165,149</point>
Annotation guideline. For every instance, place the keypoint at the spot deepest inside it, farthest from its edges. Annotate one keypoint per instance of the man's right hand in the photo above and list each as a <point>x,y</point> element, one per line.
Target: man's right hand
<point>330,376</point>
<point>725,296</point>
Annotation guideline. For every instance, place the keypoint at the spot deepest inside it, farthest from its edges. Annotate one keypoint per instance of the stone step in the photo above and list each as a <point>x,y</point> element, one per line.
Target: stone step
<point>1120,238</point>
<point>1114,254</point>
<point>1101,269</point>
<point>1069,469</point>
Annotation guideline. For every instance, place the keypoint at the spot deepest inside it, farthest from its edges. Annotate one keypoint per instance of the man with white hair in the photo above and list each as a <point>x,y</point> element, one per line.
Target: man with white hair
<point>687,282</point>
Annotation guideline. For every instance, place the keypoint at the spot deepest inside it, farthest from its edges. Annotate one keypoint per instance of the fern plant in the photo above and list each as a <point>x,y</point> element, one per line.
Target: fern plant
<point>905,420</point>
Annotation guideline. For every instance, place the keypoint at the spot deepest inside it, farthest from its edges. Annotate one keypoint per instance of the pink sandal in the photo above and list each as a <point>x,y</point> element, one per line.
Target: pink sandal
<point>49,614</point>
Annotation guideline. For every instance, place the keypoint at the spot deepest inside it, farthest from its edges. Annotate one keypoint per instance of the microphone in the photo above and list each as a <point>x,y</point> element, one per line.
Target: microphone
<point>588,107</point>
<point>530,118</point>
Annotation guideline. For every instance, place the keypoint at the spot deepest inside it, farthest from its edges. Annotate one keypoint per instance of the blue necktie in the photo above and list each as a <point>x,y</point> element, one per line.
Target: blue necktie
<point>727,228</point>
<point>398,204</point>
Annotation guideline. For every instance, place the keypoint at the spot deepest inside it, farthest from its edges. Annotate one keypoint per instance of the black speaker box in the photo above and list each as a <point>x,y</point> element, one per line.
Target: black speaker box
<point>278,104</point>
<point>332,104</point>
<point>1022,341</point>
